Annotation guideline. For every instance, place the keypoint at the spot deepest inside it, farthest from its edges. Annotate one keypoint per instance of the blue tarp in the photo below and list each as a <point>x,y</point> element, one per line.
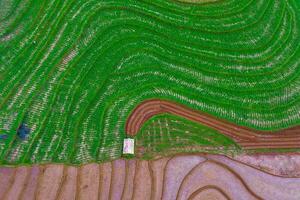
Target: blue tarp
<point>23,131</point>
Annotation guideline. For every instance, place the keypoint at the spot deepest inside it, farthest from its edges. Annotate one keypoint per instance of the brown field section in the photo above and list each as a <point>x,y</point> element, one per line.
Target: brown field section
<point>180,177</point>
<point>246,137</point>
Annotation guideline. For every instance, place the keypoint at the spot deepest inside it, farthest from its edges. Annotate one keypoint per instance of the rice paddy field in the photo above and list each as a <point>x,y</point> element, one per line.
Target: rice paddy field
<point>73,72</point>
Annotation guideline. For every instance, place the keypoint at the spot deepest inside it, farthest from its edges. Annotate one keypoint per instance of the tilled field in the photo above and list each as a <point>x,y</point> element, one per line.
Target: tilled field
<point>245,137</point>
<point>181,177</point>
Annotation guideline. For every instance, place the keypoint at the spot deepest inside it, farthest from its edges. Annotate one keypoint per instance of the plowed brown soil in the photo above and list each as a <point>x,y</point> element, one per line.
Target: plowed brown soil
<point>246,137</point>
<point>180,177</point>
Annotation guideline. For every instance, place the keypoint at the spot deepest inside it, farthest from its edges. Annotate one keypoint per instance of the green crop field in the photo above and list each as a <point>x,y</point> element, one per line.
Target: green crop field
<point>167,134</point>
<point>74,70</point>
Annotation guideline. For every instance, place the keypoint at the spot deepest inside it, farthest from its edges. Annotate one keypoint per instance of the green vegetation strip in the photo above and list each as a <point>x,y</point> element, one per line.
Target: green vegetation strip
<point>166,134</point>
<point>73,70</point>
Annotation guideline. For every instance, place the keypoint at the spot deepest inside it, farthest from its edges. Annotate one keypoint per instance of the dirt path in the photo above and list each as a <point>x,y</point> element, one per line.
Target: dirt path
<point>246,137</point>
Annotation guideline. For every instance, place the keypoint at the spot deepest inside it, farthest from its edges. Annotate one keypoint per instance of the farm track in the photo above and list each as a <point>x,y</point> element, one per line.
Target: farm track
<point>179,177</point>
<point>246,137</point>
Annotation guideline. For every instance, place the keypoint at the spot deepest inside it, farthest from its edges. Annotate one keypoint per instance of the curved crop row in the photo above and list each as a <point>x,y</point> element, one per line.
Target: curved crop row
<point>74,70</point>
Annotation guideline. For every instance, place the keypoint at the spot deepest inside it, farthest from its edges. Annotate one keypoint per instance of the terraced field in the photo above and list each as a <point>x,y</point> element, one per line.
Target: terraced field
<point>73,71</point>
<point>196,177</point>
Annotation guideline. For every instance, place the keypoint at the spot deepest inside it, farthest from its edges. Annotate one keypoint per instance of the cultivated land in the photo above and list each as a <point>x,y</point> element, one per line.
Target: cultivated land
<point>74,71</point>
<point>188,177</point>
<point>247,138</point>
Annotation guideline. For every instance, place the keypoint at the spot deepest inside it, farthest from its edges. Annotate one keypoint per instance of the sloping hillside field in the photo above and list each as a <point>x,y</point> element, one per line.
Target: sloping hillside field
<point>77,77</point>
